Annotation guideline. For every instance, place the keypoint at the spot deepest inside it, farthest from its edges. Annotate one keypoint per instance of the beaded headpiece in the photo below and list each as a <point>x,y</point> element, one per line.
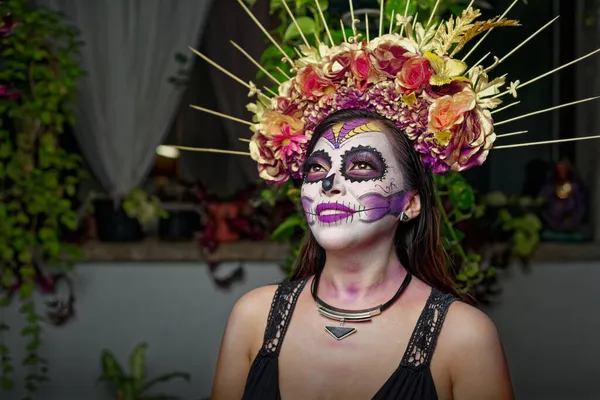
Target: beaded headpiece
<point>412,75</point>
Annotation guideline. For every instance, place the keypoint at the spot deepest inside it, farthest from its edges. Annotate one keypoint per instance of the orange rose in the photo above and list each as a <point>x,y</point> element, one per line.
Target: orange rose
<point>448,111</point>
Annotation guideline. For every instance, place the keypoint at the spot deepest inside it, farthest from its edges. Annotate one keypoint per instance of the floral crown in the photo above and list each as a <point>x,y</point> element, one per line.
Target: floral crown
<point>410,75</point>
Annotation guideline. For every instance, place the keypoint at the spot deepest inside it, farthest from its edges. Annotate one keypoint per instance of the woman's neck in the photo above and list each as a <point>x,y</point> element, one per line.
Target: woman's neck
<point>361,277</point>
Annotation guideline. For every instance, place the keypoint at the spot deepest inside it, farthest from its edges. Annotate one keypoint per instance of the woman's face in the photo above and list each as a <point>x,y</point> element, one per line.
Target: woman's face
<point>352,189</point>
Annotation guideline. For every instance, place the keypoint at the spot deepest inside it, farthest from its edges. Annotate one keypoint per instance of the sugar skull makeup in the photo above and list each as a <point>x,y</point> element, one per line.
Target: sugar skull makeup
<point>352,180</point>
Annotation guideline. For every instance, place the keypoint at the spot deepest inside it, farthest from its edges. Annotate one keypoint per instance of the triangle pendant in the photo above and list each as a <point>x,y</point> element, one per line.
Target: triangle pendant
<point>340,332</point>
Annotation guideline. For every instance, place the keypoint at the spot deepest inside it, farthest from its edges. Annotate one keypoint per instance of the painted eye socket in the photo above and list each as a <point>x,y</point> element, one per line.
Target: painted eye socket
<point>363,163</point>
<point>317,166</point>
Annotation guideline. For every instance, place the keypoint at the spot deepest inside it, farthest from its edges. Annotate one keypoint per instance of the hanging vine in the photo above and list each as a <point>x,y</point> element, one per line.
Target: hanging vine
<point>38,178</point>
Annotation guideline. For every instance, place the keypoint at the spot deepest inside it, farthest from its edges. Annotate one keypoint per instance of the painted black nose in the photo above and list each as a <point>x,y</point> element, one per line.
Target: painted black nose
<point>328,182</point>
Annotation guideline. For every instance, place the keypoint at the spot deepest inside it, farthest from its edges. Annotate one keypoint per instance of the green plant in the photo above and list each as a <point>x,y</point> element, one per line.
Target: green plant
<point>459,206</point>
<point>134,385</point>
<point>144,207</point>
<point>38,178</point>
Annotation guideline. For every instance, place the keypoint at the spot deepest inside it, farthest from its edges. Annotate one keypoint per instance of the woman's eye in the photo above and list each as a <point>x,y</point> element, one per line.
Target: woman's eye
<point>316,168</point>
<point>362,165</point>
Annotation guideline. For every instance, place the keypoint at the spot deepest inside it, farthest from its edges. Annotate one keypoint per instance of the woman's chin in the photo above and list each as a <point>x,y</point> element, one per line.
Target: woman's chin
<point>337,239</point>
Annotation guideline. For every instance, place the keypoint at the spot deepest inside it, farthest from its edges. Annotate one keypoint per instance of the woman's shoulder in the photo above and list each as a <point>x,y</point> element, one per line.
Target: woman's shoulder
<point>469,344</point>
<point>254,305</point>
<point>257,302</point>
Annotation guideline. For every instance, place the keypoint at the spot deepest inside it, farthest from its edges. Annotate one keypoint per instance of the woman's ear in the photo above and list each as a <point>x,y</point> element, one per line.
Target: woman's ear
<point>413,208</point>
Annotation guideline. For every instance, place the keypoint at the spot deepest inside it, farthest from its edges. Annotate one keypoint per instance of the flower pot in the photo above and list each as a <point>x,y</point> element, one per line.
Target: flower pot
<point>113,224</point>
<point>182,223</point>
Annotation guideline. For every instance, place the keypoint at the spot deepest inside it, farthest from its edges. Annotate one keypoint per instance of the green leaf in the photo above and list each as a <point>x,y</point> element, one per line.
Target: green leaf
<point>111,370</point>
<point>165,378</point>
<point>287,227</point>
<point>461,195</point>
<point>137,365</point>
<point>7,384</point>
<point>307,26</point>
<point>4,301</point>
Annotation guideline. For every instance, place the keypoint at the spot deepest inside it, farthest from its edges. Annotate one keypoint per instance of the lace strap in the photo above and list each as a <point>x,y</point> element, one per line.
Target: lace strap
<point>424,338</point>
<point>282,307</point>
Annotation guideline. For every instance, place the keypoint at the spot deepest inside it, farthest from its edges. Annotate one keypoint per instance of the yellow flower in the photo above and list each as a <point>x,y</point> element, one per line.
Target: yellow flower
<point>445,71</point>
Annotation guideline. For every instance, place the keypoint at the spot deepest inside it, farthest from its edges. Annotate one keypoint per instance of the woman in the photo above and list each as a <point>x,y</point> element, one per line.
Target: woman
<point>374,240</point>
<point>371,311</point>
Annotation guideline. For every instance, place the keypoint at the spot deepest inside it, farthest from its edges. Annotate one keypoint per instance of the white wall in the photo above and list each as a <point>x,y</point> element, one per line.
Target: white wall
<point>175,308</point>
<point>548,320</point>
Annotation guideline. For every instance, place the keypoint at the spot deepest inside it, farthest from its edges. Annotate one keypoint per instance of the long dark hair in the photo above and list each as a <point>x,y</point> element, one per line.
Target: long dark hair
<point>418,241</point>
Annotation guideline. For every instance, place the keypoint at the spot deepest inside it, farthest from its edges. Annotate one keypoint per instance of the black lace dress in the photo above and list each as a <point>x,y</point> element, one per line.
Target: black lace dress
<point>412,379</point>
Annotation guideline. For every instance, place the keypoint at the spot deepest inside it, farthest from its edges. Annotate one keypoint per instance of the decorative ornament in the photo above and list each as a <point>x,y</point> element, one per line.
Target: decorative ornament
<point>411,75</point>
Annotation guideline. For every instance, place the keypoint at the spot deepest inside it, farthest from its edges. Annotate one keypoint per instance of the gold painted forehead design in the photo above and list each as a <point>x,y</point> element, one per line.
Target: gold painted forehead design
<point>341,132</point>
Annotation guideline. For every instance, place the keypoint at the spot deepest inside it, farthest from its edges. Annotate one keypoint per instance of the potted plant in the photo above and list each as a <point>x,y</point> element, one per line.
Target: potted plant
<point>126,220</point>
<point>134,384</point>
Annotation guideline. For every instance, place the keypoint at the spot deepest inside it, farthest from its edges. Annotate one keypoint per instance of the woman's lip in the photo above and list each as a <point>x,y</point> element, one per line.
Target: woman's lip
<point>330,218</point>
<point>343,209</point>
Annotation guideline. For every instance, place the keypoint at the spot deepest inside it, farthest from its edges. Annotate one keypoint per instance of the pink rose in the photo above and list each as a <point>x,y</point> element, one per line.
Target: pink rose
<point>361,68</point>
<point>415,73</point>
<point>312,83</point>
<point>448,111</point>
<point>389,59</point>
<point>270,168</point>
<point>338,66</point>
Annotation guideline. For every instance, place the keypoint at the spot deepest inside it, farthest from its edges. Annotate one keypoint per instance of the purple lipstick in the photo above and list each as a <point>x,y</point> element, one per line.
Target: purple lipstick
<point>333,212</point>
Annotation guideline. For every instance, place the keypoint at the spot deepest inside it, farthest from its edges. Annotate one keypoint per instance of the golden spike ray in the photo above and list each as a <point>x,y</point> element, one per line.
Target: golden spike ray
<point>511,134</point>
<point>343,31</point>
<point>324,22</point>
<point>489,31</point>
<point>548,73</point>
<point>270,91</point>
<point>264,30</point>
<point>381,17</point>
<point>526,40</point>
<point>505,107</point>
<point>287,8</point>
<point>352,16</point>
<point>218,114</point>
<point>283,73</point>
<point>217,66</point>
<point>253,61</point>
<point>207,150</point>
<point>405,16</point>
<point>577,139</point>
<point>546,110</point>
<point>478,62</point>
<point>437,3</point>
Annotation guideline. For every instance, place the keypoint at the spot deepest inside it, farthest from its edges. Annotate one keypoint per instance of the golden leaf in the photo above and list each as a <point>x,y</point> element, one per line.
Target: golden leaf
<point>452,31</point>
<point>409,99</point>
<point>480,27</point>
<point>443,138</point>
